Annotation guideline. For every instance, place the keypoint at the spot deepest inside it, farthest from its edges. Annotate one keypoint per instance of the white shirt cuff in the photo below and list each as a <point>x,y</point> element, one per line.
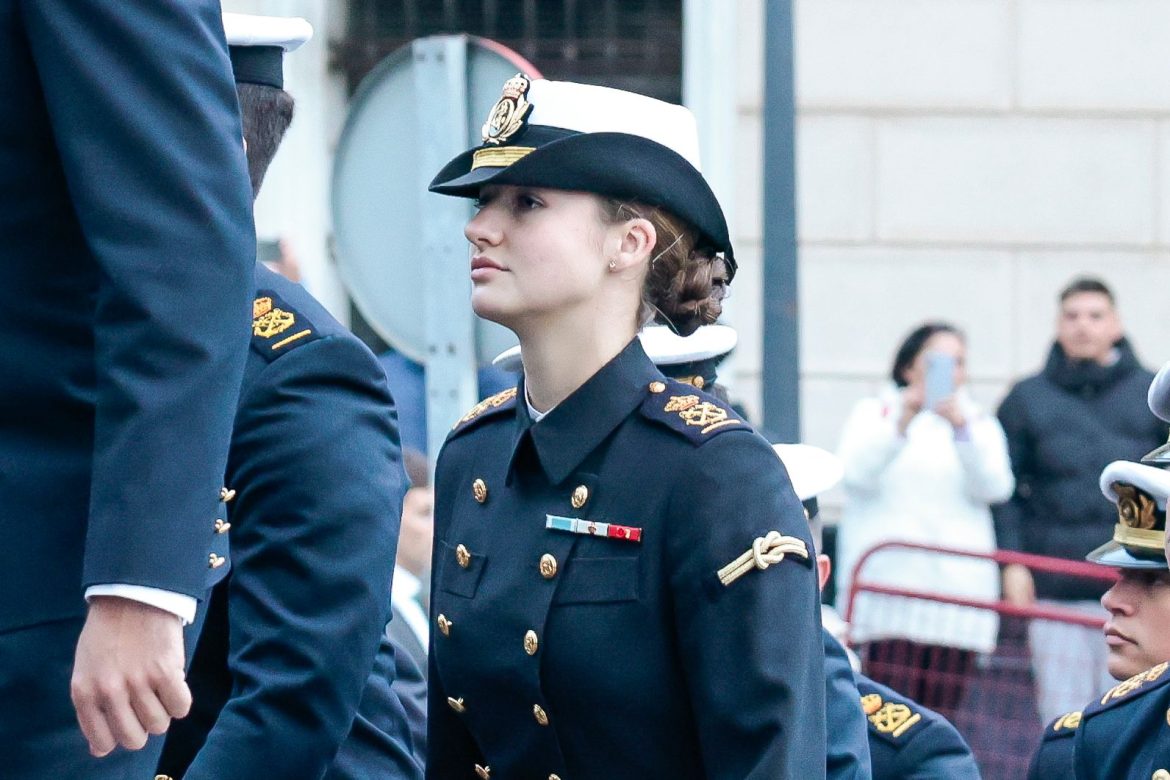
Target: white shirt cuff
<point>178,604</point>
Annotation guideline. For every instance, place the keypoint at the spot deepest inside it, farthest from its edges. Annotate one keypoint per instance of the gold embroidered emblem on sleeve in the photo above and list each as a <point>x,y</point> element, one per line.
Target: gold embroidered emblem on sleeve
<point>272,323</point>
<point>894,719</point>
<point>871,703</point>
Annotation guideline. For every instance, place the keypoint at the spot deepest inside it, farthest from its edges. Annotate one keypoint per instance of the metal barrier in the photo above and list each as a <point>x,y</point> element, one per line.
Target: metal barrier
<point>988,692</point>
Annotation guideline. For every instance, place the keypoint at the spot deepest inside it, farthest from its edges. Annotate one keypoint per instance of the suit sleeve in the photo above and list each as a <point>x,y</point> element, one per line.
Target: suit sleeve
<point>767,719</point>
<point>848,737</point>
<point>316,461</point>
<point>1009,516</point>
<point>145,120</point>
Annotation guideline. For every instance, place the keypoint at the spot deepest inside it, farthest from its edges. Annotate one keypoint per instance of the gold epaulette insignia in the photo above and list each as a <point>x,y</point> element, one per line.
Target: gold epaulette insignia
<point>1067,722</point>
<point>765,551</point>
<point>871,703</point>
<point>702,414</point>
<point>1134,683</point>
<point>497,400</point>
<point>894,719</point>
<point>271,321</point>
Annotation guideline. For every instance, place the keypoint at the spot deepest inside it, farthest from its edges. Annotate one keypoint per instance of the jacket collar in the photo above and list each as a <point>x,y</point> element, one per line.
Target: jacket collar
<point>577,425</point>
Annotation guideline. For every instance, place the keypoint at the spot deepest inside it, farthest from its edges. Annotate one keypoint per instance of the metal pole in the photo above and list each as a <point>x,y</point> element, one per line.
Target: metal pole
<point>440,79</point>
<point>781,358</point>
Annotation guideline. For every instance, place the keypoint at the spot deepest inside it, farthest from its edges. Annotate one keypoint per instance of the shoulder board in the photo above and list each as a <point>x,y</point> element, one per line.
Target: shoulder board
<point>488,407</point>
<point>1064,726</point>
<point>277,327</point>
<point>891,720</point>
<point>1151,679</point>
<point>689,411</point>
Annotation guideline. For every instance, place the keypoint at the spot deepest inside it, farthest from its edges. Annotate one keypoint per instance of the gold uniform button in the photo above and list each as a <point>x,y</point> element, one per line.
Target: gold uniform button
<point>548,566</point>
<point>479,490</point>
<point>444,625</point>
<point>215,561</point>
<point>162,777</point>
<point>483,771</point>
<point>226,494</point>
<point>580,496</point>
<point>657,387</point>
<point>699,382</point>
<point>1161,774</point>
<point>540,715</point>
<point>531,643</point>
<point>554,777</point>
<point>222,526</point>
<point>456,704</point>
<point>463,556</point>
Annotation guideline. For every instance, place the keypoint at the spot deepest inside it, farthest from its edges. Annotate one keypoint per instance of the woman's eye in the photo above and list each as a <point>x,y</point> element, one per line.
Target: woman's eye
<point>529,202</point>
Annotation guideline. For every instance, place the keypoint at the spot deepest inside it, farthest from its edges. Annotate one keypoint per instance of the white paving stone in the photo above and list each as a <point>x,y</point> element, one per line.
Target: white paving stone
<point>1088,54</point>
<point>1014,180</point>
<point>904,53</point>
<point>834,178</point>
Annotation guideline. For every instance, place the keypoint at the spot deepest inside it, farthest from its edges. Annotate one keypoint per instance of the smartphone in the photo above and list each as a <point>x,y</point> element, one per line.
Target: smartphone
<point>940,377</point>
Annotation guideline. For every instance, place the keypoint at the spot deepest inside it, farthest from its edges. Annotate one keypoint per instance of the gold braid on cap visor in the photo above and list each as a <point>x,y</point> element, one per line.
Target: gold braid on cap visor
<point>499,156</point>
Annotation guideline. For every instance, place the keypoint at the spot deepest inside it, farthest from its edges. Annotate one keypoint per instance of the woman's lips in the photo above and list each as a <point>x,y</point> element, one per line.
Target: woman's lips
<point>1115,638</point>
<point>483,267</point>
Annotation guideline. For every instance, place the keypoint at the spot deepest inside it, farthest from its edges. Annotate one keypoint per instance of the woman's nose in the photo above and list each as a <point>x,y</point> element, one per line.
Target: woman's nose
<point>482,229</point>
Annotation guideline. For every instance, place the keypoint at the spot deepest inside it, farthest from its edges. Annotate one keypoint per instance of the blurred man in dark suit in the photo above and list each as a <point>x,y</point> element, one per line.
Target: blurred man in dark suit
<point>126,246</point>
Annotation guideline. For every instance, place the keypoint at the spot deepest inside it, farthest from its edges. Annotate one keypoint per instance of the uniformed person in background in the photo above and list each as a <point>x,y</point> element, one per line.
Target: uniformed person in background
<point>294,637</point>
<point>906,741</point>
<point>622,580</point>
<point>126,245</point>
<point>1125,732</point>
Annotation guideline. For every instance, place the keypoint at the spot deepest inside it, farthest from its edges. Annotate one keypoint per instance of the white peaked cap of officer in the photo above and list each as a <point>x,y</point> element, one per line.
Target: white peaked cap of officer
<point>663,346</point>
<point>1151,479</point>
<point>287,33</point>
<point>1159,395</point>
<point>811,469</point>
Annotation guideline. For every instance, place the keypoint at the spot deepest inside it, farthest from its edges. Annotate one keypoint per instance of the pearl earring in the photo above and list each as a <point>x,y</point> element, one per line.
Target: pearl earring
<point>612,264</point>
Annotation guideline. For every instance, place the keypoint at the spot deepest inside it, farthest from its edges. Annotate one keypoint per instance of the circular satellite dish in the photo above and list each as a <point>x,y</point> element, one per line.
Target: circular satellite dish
<point>376,196</point>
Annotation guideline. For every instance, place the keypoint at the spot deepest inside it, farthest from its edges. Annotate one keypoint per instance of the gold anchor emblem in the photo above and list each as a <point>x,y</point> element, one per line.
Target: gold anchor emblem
<point>704,414</point>
<point>894,719</point>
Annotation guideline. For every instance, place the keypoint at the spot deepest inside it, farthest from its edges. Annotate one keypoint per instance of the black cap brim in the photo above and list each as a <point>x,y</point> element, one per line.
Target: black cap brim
<point>616,165</point>
<point>1114,554</point>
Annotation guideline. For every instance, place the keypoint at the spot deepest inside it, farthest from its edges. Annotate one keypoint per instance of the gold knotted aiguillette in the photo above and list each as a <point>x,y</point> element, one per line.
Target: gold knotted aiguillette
<point>765,551</point>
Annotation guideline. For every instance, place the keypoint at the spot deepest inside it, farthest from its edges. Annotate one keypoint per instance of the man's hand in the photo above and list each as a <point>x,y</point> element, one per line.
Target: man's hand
<point>1018,587</point>
<point>128,676</point>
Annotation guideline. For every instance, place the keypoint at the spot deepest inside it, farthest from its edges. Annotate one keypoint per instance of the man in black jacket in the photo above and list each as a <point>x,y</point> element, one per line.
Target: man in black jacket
<point>1084,409</point>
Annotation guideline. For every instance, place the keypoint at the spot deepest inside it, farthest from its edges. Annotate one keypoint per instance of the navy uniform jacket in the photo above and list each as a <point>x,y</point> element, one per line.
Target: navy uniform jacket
<point>126,249</point>
<point>315,464</point>
<point>567,655</point>
<point>848,740</point>
<point>909,742</point>
<point>1126,732</point>
<point>1053,759</point>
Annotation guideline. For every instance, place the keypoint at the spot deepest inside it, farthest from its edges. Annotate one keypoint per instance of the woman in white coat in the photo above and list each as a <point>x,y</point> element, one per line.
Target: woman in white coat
<point>926,475</point>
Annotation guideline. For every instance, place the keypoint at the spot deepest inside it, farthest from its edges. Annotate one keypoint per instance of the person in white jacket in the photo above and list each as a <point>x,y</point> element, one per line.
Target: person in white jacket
<point>926,476</point>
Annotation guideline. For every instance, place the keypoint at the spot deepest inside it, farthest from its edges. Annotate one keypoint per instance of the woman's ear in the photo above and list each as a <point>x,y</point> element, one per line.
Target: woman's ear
<point>636,241</point>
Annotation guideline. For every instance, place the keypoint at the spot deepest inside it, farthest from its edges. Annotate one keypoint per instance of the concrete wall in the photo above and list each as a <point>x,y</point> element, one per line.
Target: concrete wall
<point>960,159</point>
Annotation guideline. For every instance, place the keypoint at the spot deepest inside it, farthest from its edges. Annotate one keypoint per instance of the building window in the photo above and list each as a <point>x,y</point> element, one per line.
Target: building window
<point>627,44</point>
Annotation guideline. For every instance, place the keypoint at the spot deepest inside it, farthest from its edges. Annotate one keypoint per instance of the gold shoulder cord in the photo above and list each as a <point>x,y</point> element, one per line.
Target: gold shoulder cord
<point>765,551</point>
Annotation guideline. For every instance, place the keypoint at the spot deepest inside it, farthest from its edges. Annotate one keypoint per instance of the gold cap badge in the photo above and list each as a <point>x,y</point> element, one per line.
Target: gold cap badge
<point>508,114</point>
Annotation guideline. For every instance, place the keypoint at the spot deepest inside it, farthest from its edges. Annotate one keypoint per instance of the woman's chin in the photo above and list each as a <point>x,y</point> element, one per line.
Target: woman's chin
<point>488,307</point>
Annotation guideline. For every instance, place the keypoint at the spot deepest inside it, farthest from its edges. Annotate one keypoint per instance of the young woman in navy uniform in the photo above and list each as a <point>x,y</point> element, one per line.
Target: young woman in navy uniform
<point>622,583</point>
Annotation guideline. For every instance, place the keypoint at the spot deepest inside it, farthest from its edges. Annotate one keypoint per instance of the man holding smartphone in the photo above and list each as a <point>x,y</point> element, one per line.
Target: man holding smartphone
<point>1086,408</point>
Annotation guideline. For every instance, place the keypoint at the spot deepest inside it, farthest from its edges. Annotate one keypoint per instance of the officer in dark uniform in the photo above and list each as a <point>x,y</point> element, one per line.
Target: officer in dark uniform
<point>1126,732</point>
<point>905,739</point>
<point>126,246</point>
<point>621,579</point>
<point>313,504</point>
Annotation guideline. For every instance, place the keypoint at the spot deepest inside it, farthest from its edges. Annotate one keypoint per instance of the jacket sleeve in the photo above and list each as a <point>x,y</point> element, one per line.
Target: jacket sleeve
<point>848,737</point>
<point>869,443</point>
<point>935,752</point>
<point>767,718</point>
<point>987,471</point>
<point>1009,515</point>
<point>316,463</point>
<point>147,128</point>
